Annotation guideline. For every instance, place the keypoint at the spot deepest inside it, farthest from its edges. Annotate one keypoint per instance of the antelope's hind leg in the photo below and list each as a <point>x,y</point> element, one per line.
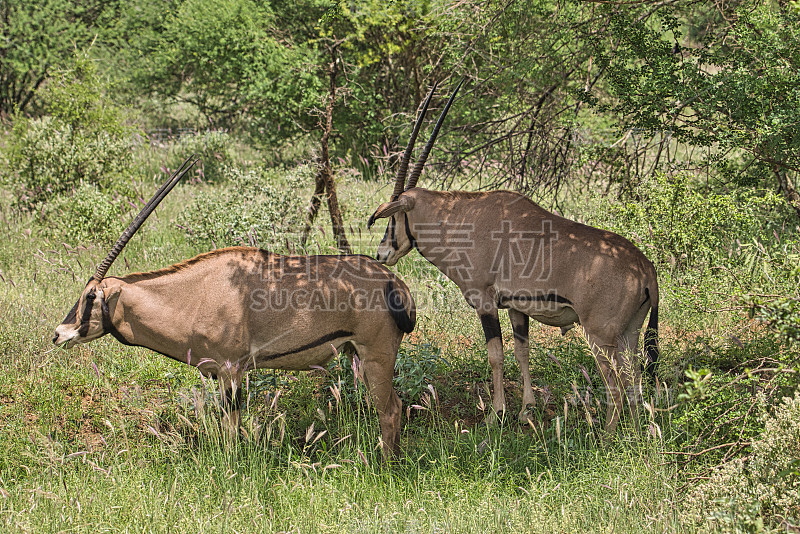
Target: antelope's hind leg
<point>378,367</point>
<point>630,362</point>
<point>230,404</point>
<point>605,355</point>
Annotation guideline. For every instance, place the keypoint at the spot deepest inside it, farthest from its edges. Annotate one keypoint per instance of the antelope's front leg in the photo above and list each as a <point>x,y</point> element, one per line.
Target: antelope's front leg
<point>520,324</point>
<point>494,346</point>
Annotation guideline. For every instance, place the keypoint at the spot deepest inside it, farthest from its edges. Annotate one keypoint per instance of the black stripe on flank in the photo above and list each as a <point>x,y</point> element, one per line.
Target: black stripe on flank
<point>491,326</point>
<point>324,339</point>
<point>550,297</point>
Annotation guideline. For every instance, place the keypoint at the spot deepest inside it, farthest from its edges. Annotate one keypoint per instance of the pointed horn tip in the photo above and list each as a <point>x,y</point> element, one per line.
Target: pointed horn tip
<point>402,170</point>
<point>415,174</point>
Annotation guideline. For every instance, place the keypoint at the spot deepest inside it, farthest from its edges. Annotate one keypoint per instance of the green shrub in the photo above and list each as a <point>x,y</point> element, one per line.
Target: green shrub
<point>686,225</point>
<point>50,158</point>
<point>780,312</point>
<point>83,140</point>
<point>760,492</point>
<point>87,215</point>
<point>248,210</point>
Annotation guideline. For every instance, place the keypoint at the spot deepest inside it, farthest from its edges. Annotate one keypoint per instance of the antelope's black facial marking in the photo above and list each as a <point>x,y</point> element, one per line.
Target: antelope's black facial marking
<point>72,315</point>
<point>88,304</point>
<point>408,232</point>
<point>389,236</point>
<point>393,228</point>
<point>108,326</point>
<point>491,326</point>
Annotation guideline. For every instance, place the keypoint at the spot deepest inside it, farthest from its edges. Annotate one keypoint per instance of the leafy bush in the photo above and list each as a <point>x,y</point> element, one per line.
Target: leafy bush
<point>761,491</point>
<point>86,215</point>
<point>83,141</point>
<point>689,226</point>
<point>780,313</point>
<point>248,210</point>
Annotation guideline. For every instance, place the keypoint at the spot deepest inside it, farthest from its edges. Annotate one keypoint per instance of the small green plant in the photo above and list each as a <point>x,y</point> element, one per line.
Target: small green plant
<point>214,149</point>
<point>85,216</point>
<point>685,225</point>
<point>415,367</point>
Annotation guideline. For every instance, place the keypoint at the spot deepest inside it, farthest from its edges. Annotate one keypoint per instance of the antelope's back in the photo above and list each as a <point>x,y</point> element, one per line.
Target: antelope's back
<point>348,291</point>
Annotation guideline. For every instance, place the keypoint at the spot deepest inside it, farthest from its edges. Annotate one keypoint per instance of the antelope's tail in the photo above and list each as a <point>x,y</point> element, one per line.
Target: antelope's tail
<point>401,305</point>
<point>651,335</point>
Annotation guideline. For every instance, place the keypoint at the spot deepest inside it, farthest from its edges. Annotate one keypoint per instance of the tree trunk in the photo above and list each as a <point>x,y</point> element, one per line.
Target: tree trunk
<point>788,190</point>
<point>324,178</point>
<point>313,206</point>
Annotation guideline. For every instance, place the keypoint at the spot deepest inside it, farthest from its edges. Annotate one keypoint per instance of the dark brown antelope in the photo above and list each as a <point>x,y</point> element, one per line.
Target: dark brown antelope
<point>235,309</point>
<point>505,252</point>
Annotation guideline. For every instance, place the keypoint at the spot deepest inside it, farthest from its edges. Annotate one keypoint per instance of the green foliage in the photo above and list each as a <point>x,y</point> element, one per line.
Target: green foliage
<point>415,368</point>
<point>250,209</point>
<point>226,57</point>
<point>86,216</point>
<point>83,141</point>
<point>780,313</point>
<point>686,225</point>
<point>732,87</point>
<point>760,492</point>
<point>717,410</point>
<point>39,38</point>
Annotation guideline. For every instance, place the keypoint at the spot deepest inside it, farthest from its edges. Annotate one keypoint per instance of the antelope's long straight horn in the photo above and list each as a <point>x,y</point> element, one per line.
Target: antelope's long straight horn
<point>402,170</point>
<point>412,180</point>
<point>162,192</point>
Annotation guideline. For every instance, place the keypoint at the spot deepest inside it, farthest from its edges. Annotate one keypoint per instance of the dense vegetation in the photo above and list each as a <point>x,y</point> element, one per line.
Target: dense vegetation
<point>674,124</point>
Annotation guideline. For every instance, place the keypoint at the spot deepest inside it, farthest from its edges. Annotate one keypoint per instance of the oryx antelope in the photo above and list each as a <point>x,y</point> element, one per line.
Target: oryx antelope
<point>505,252</point>
<point>235,309</point>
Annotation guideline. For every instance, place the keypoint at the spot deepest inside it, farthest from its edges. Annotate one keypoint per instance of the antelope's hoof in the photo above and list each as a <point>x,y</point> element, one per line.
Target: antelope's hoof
<point>493,417</point>
<point>526,415</point>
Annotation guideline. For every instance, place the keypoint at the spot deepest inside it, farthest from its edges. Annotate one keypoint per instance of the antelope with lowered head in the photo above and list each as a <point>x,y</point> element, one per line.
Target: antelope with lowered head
<point>235,309</point>
<point>505,252</point>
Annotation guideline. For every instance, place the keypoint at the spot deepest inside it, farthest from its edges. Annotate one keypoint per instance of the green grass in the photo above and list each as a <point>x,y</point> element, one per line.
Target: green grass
<point>105,437</point>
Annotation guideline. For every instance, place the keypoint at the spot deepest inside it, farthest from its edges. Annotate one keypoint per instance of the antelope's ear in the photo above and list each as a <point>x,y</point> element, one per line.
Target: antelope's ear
<point>387,209</point>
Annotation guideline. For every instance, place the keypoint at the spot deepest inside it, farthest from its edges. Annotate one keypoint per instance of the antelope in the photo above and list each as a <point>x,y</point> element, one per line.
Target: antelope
<point>503,251</point>
<point>231,310</point>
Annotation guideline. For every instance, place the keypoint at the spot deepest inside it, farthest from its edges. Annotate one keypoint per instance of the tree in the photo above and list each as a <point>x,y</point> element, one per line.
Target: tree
<point>731,87</point>
<point>38,37</point>
<point>324,182</point>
